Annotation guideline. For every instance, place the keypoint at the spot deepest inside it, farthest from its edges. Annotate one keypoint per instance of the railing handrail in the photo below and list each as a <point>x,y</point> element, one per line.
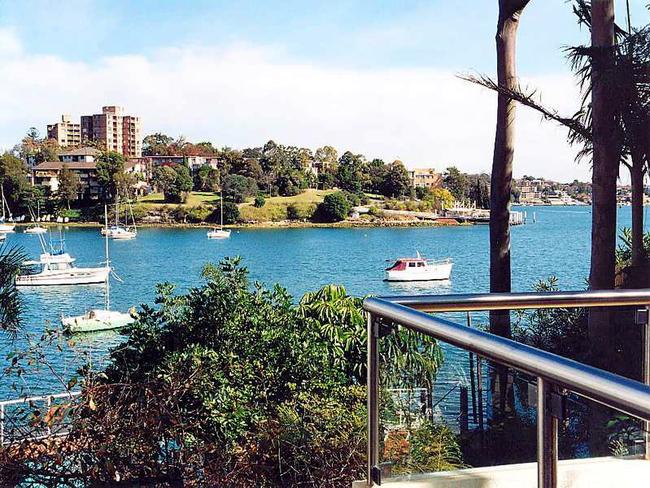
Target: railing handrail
<point>518,301</point>
<point>39,398</point>
<point>615,391</point>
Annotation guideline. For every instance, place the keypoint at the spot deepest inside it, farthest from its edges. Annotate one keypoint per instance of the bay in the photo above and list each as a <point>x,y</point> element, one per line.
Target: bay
<point>300,259</point>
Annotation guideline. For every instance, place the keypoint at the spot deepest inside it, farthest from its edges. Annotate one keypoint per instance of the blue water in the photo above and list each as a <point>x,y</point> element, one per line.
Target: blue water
<point>301,260</point>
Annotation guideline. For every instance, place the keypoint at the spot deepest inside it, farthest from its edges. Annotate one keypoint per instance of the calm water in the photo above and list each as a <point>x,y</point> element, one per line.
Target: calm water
<point>301,260</point>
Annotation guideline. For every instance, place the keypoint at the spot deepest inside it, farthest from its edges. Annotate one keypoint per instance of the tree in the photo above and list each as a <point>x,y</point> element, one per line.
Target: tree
<point>109,166</point>
<point>157,144</point>
<point>174,181</point>
<point>606,154</point>
<point>501,182</point>
<point>326,158</point>
<point>69,185</point>
<point>396,182</point>
<point>455,182</point>
<point>237,188</point>
<point>335,207</point>
<point>207,178</point>
<point>13,177</point>
<point>10,304</point>
<point>259,201</point>
<point>349,175</point>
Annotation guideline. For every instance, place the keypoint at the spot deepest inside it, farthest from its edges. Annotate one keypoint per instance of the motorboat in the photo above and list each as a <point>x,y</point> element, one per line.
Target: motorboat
<point>419,269</point>
<point>56,267</point>
<point>95,320</point>
<point>219,232</point>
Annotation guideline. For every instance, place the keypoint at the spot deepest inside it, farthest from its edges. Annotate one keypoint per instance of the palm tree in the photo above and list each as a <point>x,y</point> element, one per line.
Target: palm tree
<point>10,306</point>
<point>501,183</point>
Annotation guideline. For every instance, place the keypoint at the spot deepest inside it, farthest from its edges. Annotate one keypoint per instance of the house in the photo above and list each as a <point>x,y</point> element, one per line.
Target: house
<point>47,174</point>
<point>425,177</point>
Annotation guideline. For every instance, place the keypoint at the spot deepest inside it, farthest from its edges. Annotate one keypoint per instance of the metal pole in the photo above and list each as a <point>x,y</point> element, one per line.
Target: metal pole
<point>49,405</point>
<point>547,426</point>
<point>373,401</point>
<point>472,381</point>
<point>2,425</point>
<point>479,391</point>
<point>646,377</point>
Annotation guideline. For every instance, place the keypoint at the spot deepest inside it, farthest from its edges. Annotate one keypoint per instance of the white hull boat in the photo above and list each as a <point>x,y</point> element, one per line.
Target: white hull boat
<point>59,270</point>
<point>5,228</point>
<point>96,320</point>
<point>218,234</point>
<point>419,269</point>
<point>37,229</point>
<point>117,232</point>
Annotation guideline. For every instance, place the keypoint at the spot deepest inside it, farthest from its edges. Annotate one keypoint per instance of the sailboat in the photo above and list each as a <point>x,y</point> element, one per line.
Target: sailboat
<point>99,319</point>
<point>57,268</point>
<point>4,226</point>
<point>36,229</point>
<point>117,231</point>
<point>220,232</point>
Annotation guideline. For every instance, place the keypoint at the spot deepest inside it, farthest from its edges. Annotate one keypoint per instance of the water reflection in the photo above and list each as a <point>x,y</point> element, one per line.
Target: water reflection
<point>415,287</point>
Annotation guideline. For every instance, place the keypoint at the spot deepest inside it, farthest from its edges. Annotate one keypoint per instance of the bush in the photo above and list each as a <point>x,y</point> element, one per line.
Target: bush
<point>237,188</point>
<point>334,208</point>
<point>259,201</point>
<point>230,214</point>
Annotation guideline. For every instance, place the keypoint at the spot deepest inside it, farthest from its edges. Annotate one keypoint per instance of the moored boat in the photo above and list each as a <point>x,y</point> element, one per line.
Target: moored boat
<point>419,269</point>
<point>219,232</point>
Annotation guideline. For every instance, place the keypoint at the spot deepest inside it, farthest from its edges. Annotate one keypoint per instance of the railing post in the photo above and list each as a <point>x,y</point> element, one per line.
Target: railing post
<point>373,402</point>
<point>646,376</point>
<point>49,405</point>
<point>547,427</point>
<point>2,425</point>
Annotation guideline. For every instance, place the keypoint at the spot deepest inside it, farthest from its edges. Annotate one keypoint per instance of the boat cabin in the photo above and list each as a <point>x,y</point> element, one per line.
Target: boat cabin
<point>403,264</point>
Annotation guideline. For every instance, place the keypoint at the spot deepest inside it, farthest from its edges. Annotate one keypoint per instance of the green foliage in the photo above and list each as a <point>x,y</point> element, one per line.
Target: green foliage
<point>259,201</point>
<point>350,172</point>
<point>456,182</point>
<point>231,213</point>
<point>334,208</point>
<point>395,182</point>
<point>237,188</point>
<point>110,165</point>
<point>69,185</point>
<point>300,211</point>
<point>207,178</point>
<point>10,303</point>
<point>562,331</point>
<point>175,182</point>
<point>624,250</point>
<point>13,177</point>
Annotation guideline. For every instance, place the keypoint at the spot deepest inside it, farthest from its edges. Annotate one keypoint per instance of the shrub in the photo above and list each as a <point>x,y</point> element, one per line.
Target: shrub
<point>334,208</point>
<point>199,213</point>
<point>230,214</point>
<point>259,201</point>
<point>237,188</point>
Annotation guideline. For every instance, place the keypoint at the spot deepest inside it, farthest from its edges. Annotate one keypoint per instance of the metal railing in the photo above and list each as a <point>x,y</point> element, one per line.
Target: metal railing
<point>5,435</point>
<point>554,373</point>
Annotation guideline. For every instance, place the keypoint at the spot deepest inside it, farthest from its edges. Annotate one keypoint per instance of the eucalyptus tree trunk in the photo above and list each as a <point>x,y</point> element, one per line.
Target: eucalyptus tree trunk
<point>500,194</point>
<point>606,151</point>
<point>504,147</point>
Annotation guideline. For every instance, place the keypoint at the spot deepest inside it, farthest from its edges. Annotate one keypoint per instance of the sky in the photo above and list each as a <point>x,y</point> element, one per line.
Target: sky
<point>374,77</point>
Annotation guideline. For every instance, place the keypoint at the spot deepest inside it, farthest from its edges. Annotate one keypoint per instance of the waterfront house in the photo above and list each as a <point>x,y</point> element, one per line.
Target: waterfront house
<point>81,161</point>
<point>425,178</point>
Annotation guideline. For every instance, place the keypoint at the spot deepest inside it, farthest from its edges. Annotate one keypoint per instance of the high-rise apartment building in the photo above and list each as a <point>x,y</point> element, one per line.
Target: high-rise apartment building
<point>65,133</point>
<point>112,129</point>
<point>117,132</point>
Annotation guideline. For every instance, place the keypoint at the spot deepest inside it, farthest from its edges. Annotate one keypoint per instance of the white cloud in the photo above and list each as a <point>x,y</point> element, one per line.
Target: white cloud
<point>242,95</point>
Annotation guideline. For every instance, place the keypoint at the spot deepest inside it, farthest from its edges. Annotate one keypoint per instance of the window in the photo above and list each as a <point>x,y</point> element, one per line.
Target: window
<point>411,265</point>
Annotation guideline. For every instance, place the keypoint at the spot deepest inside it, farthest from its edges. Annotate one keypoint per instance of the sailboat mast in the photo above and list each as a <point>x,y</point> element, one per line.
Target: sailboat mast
<point>221,206</point>
<point>2,188</point>
<point>108,263</point>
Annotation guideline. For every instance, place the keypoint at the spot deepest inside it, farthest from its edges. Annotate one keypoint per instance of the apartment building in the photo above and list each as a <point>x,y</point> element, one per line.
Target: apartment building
<point>82,161</point>
<point>65,133</point>
<point>425,177</point>
<point>114,130</point>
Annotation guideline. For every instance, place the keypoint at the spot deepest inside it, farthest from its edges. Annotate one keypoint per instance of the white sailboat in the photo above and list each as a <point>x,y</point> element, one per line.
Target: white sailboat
<point>57,268</point>
<point>4,226</point>
<point>117,231</point>
<point>99,319</point>
<point>220,232</point>
<point>35,228</point>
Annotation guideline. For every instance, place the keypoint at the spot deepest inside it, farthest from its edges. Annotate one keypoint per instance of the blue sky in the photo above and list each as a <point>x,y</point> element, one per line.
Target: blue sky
<point>382,43</point>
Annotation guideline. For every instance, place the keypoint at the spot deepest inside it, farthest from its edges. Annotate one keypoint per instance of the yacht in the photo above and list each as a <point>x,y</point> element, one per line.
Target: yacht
<point>419,269</point>
<point>4,226</point>
<point>121,232</point>
<point>99,319</point>
<point>56,267</point>
<point>35,228</point>
<point>219,232</point>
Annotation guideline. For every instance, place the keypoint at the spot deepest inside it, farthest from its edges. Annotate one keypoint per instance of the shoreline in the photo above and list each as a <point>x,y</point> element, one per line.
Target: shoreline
<point>283,224</point>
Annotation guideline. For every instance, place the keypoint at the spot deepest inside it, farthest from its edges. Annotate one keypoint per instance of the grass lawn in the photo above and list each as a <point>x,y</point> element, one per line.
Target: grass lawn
<point>275,208</point>
<point>196,198</point>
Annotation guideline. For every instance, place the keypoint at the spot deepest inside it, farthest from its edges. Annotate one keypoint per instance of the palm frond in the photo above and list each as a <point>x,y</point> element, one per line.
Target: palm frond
<point>10,304</point>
